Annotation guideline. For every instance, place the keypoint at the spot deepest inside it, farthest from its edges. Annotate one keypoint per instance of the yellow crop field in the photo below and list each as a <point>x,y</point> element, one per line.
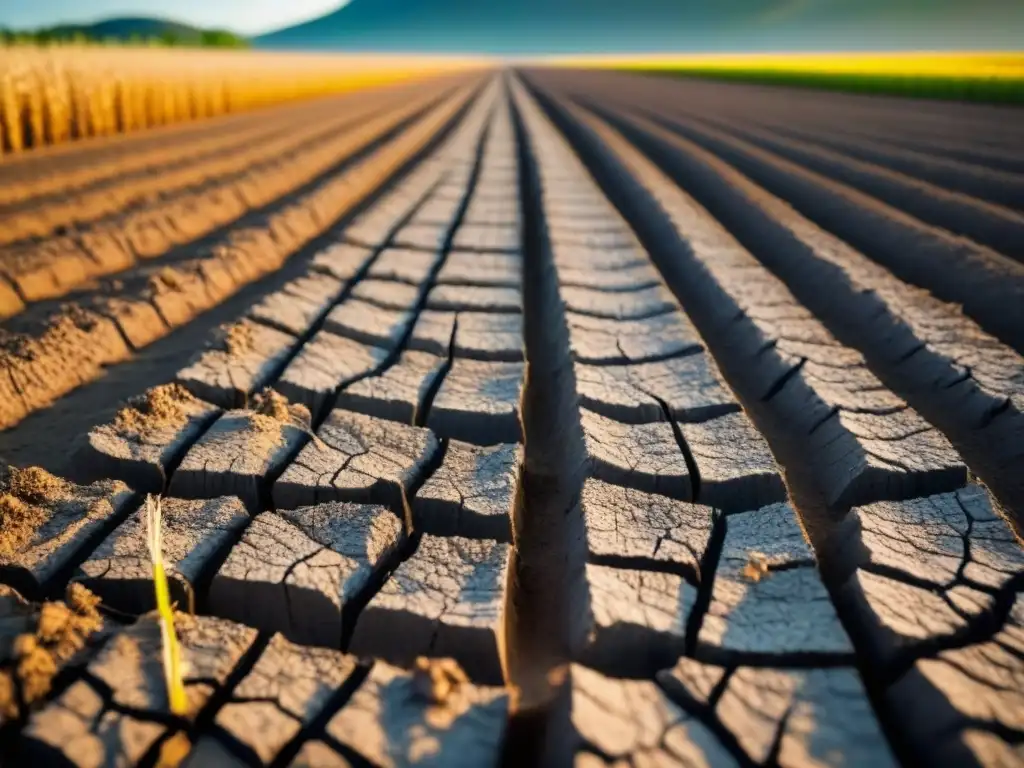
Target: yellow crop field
<point>976,76</point>
<point>52,95</point>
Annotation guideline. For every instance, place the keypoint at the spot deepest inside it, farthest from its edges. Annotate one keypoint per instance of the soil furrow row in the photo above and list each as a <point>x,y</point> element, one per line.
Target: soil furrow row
<point>72,348</point>
<point>992,126</point>
<point>67,168</point>
<point>39,219</point>
<point>278,574</point>
<point>739,590</point>
<point>132,166</point>
<point>988,285</point>
<point>965,382</point>
<point>987,224</point>
<point>1002,187</point>
<point>865,443</point>
<point>180,226</point>
<point>927,643</point>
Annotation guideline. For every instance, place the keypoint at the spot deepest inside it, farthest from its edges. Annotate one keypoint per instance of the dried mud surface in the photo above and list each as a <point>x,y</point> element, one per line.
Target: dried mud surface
<point>531,418</point>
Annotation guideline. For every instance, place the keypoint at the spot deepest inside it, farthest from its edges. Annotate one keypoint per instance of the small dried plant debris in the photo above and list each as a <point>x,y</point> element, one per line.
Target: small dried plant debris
<point>438,680</point>
<point>757,566</point>
<point>177,697</point>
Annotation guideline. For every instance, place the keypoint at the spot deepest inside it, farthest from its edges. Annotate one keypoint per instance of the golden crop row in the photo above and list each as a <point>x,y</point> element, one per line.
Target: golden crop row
<point>53,95</point>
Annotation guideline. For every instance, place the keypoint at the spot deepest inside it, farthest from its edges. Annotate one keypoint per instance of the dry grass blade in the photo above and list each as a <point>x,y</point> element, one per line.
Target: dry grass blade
<point>177,699</point>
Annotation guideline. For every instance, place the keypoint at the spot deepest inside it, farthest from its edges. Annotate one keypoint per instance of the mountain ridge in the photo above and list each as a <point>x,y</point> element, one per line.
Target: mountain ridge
<point>554,26</point>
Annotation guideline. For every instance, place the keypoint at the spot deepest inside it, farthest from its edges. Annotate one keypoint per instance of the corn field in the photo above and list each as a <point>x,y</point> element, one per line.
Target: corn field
<point>53,95</point>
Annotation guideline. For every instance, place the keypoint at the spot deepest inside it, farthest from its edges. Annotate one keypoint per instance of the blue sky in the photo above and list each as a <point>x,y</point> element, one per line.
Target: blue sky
<point>245,16</point>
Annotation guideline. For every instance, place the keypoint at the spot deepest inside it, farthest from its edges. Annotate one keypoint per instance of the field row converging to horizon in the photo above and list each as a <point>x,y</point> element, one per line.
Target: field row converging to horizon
<point>522,417</point>
<point>52,95</point>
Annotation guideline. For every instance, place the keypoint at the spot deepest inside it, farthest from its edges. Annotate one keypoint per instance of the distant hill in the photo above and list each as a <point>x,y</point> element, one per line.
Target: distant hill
<point>532,26</point>
<point>127,29</point>
<point>124,28</point>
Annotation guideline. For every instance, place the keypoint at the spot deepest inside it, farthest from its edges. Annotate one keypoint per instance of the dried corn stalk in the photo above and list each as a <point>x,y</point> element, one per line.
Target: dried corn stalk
<point>177,698</point>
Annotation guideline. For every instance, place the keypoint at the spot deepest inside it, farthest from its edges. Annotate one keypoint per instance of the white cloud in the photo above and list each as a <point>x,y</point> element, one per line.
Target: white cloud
<point>245,16</point>
<point>254,16</point>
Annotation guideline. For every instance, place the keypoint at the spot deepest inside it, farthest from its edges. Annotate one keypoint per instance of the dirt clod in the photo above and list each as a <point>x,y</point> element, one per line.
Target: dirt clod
<point>36,669</point>
<point>25,495</point>
<point>35,485</point>
<point>64,626</point>
<point>437,680</point>
<point>8,696</point>
<point>56,632</point>
<point>271,403</point>
<point>158,408</point>
<point>271,409</point>
<point>18,522</point>
<point>82,601</point>
<point>238,339</point>
<point>164,281</point>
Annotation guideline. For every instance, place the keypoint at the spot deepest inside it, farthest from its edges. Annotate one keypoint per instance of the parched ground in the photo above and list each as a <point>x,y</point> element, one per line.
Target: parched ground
<point>527,418</point>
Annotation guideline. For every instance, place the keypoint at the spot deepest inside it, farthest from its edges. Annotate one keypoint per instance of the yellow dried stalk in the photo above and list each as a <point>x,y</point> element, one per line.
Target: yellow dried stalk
<point>58,93</point>
<point>177,698</point>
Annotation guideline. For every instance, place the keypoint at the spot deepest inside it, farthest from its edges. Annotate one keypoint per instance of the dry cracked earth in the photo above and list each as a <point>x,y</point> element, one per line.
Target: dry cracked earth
<point>516,419</point>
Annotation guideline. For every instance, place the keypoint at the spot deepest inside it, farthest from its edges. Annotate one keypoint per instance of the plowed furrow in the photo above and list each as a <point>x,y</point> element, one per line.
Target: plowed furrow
<point>995,226</point>
<point>70,168</point>
<point>968,126</point>
<point>427,576</point>
<point>978,156</point>
<point>888,650</point>
<point>57,352</point>
<point>39,218</point>
<point>987,173</point>
<point>181,225</point>
<point>928,638</point>
<point>665,578</point>
<point>987,284</point>
<point>100,172</point>
<point>567,419</point>
<point>1002,187</point>
<point>964,381</point>
<point>866,442</point>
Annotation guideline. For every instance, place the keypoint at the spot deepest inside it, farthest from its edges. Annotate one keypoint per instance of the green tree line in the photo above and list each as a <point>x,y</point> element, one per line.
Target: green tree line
<point>200,38</point>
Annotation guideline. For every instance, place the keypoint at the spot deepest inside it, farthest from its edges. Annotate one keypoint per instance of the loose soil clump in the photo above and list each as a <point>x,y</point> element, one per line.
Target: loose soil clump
<point>271,409</point>
<point>24,497</point>
<point>168,405</point>
<point>38,641</point>
<point>165,281</point>
<point>238,339</point>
